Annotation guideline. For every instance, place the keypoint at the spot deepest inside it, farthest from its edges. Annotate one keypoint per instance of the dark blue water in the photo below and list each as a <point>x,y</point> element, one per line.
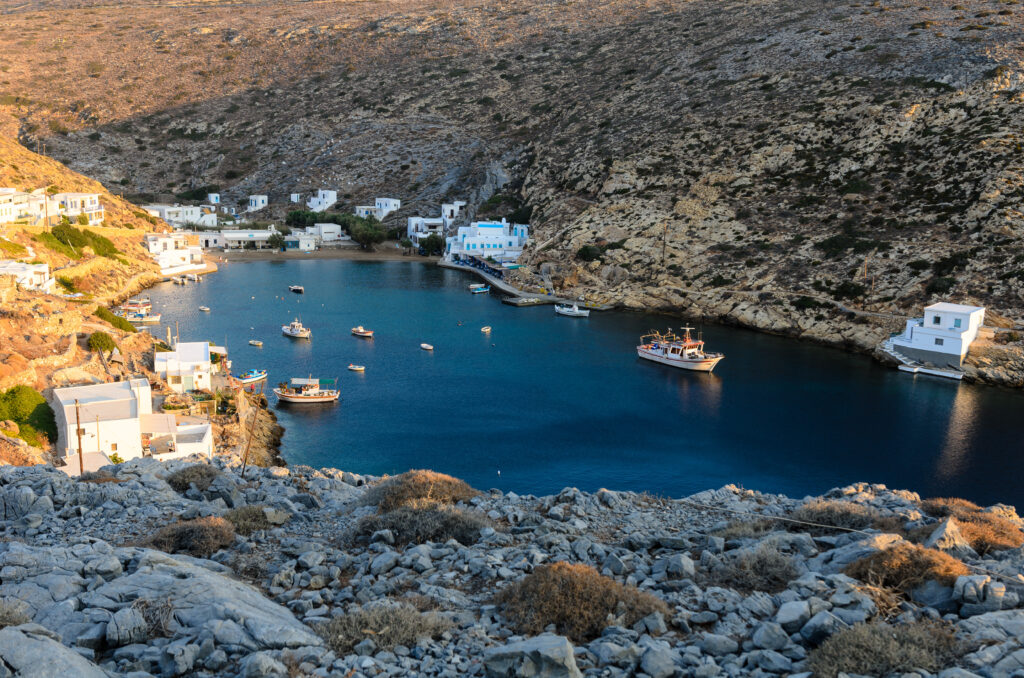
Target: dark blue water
<point>551,402</point>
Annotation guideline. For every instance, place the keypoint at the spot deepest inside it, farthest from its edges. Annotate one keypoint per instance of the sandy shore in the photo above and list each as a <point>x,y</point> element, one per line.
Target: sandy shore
<point>386,251</point>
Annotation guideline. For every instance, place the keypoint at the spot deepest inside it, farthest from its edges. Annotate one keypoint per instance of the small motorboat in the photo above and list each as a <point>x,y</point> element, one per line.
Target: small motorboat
<point>427,347</point>
<point>481,290</point>
<point>296,330</point>
<point>298,289</point>
<point>573,311</point>
<point>204,309</point>
<point>143,305</point>
<point>307,391</point>
<point>180,280</point>
<point>486,329</point>
<point>252,376</point>
<point>256,342</point>
<point>357,368</point>
<point>362,332</point>
<point>143,318</point>
<point>192,277</point>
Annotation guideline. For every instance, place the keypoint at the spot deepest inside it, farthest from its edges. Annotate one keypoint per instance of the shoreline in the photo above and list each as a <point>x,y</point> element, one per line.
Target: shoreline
<point>385,252</point>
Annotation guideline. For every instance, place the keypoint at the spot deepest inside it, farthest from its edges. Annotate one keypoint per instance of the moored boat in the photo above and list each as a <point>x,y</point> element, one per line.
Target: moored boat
<point>296,330</point>
<point>307,391</point>
<point>204,309</point>
<point>256,342</point>
<point>361,331</point>
<point>193,277</point>
<point>476,286</point>
<point>683,352</point>
<point>143,305</point>
<point>252,376</point>
<point>142,318</point>
<point>357,368</point>
<point>486,329</point>
<point>180,280</point>
<point>427,347</point>
<point>573,311</point>
<point>297,289</point>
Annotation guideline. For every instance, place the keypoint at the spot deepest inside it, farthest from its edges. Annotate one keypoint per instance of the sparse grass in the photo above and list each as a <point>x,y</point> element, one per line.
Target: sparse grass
<point>840,514</point>
<point>762,569</point>
<point>200,475</point>
<point>578,600</point>
<point>746,529</point>
<point>417,488</point>
<point>157,613</point>
<point>387,626</point>
<point>906,566</point>
<point>428,523</point>
<point>201,537</point>
<point>12,614</point>
<point>99,478</point>
<point>12,249</point>
<point>985,532</point>
<point>881,649</point>
<point>248,519</point>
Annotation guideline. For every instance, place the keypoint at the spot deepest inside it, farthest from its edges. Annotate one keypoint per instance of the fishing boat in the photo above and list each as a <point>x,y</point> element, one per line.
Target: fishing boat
<point>204,309</point>
<point>252,376</point>
<point>362,332</point>
<point>143,318</point>
<point>297,289</point>
<point>684,352</point>
<point>357,368</point>
<point>193,277</point>
<point>573,311</point>
<point>296,330</point>
<point>481,290</point>
<point>256,342</point>
<point>427,347</point>
<point>307,391</point>
<point>476,286</point>
<point>143,305</point>
<point>486,329</point>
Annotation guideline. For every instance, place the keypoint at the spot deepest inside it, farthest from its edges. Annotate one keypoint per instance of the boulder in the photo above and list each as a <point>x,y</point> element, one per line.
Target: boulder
<point>545,656</point>
<point>31,651</point>
<point>820,626</point>
<point>947,537</point>
<point>793,615</point>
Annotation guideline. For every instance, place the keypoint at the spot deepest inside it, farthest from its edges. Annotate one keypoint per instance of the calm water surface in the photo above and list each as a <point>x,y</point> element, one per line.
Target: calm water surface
<point>546,402</point>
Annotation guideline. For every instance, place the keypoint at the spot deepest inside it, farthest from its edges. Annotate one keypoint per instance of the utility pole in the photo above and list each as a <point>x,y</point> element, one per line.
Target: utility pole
<point>78,431</point>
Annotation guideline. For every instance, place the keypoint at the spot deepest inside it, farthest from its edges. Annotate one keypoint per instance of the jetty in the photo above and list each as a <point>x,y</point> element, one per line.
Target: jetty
<point>516,296</point>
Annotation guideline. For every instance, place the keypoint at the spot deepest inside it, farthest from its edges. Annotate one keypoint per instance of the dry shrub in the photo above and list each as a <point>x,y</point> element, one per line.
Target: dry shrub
<point>839,514</point>
<point>906,566</point>
<point>881,649</point>
<point>158,614</point>
<point>248,519</point>
<point>201,537</point>
<point>429,523</point>
<point>985,532</point>
<point>200,475</point>
<point>99,478</point>
<point>747,529</point>
<point>419,488</point>
<point>12,613</point>
<point>762,569</point>
<point>387,626</point>
<point>575,598</point>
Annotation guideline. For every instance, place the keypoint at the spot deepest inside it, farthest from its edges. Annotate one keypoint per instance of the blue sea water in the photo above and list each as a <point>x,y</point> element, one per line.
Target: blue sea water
<point>545,402</point>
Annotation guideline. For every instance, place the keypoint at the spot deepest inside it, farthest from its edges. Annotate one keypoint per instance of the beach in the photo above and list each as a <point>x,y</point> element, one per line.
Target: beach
<point>386,251</point>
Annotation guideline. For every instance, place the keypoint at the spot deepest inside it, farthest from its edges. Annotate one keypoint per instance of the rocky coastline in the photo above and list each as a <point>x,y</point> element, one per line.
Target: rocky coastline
<point>187,568</point>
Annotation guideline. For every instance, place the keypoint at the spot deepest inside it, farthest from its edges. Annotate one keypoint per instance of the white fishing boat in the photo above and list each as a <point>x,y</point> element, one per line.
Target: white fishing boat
<point>252,376</point>
<point>307,391</point>
<point>683,352</point>
<point>476,286</point>
<point>297,289</point>
<point>486,329</point>
<point>204,309</point>
<point>296,330</point>
<point>256,342</point>
<point>427,347</point>
<point>573,311</point>
<point>143,305</point>
<point>193,277</point>
<point>357,368</point>
<point>361,331</point>
<point>143,318</point>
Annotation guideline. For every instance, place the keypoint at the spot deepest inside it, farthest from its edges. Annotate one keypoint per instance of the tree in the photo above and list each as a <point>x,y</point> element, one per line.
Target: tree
<point>101,341</point>
<point>276,241</point>
<point>433,244</point>
<point>367,234</point>
<point>406,243</point>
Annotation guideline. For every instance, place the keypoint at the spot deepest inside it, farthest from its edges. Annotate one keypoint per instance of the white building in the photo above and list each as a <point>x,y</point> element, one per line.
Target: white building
<point>184,215</point>
<point>498,240</point>
<point>73,205</point>
<point>300,242</point>
<point>213,198</point>
<point>32,208</point>
<point>943,336</point>
<point>29,276</point>
<point>186,368</point>
<point>257,202</point>
<point>323,200</point>
<point>108,416</point>
<point>237,239</point>
<point>419,228</point>
<point>207,240</point>
<point>326,232</point>
<point>8,209</point>
<point>295,197</point>
<point>168,436</point>
<point>450,211</point>
<point>380,208</point>
<point>174,253</point>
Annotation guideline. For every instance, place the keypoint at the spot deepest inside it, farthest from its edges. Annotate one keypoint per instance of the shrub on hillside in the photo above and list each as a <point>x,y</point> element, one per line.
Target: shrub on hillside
<point>840,514</point>
<point>881,649</point>
<point>12,249</point>
<point>101,341</point>
<point>388,626</point>
<point>55,245</point>
<point>419,488</point>
<point>747,529</point>
<point>589,253</point>
<point>200,475</point>
<point>78,238</point>
<point>576,599</point>
<point>905,566</point>
<point>117,321</point>
<point>428,523</point>
<point>27,408</point>
<point>764,568</point>
<point>201,537</point>
<point>248,519</point>
<point>986,532</point>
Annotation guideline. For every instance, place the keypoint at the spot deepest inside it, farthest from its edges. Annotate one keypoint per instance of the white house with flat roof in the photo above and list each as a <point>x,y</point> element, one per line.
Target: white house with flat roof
<point>326,232</point>
<point>300,242</point>
<point>257,202</point>
<point>108,416</point>
<point>8,209</point>
<point>186,368</point>
<point>943,336</point>
<point>184,215</point>
<point>174,253</point>
<point>31,208</point>
<point>169,436</point>
<point>74,205</point>
<point>213,198</point>
<point>418,228</point>
<point>380,208</point>
<point>498,240</point>
<point>28,276</point>
<point>323,200</point>
<point>237,239</point>
<point>450,211</point>
<point>295,197</point>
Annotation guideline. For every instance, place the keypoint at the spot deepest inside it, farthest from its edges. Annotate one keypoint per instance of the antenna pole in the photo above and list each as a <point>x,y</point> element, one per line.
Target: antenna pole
<point>78,431</point>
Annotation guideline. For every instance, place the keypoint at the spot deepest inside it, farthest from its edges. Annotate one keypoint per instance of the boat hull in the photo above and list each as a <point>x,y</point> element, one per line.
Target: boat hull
<point>253,379</point>
<point>568,312</point>
<point>329,397</point>
<point>296,335</point>
<point>692,364</point>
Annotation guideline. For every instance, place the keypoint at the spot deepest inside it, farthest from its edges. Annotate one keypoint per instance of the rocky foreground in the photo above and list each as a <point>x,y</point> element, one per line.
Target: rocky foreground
<point>317,573</point>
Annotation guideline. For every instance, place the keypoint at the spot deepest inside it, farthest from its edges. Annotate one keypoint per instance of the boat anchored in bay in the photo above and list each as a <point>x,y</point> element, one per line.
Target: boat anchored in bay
<point>296,330</point>
<point>309,390</point>
<point>573,311</point>
<point>683,352</point>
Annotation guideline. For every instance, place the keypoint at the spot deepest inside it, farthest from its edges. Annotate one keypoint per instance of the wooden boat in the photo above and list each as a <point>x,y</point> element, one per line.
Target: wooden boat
<point>427,347</point>
<point>486,329</point>
<point>362,332</point>
<point>307,391</point>
<point>357,368</point>
<point>573,311</point>
<point>256,342</point>
<point>205,309</point>
<point>252,376</point>
<point>296,330</point>
<point>682,352</point>
<point>297,289</point>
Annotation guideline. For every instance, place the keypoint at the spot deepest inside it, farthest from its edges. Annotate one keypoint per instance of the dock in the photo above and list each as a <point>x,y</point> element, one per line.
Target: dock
<point>915,367</point>
<point>517,297</point>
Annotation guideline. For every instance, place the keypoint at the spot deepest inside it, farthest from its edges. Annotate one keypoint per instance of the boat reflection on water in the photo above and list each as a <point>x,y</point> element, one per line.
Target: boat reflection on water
<point>700,392</point>
<point>960,432</point>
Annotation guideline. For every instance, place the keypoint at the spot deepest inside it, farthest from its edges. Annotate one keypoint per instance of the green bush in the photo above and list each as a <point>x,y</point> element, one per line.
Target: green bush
<point>101,341</point>
<point>940,285</point>
<point>199,193</point>
<point>115,320</point>
<point>589,253</point>
<point>27,408</point>
<point>433,244</point>
<point>367,234</point>
<point>881,649</point>
<point>55,245</point>
<point>67,284</point>
<point>11,249</point>
<point>78,238</point>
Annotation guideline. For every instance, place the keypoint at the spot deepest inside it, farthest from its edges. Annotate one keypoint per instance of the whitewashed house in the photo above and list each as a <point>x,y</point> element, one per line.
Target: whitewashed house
<point>300,242</point>
<point>8,209</point>
<point>186,368</point>
<point>108,416</point>
<point>498,240</point>
<point>381,208</point>
<point>74,205</point>
<point>207,240</point>
<point>257,202</point>
<point>169,436</point>
<point>237,239</point>
<point>31,208</point>
<point>28,276</point>
<point>184,215</point>
<point>326,232</point>
<point>174,253</point>
<point>450,211</point>
<point>323,200</point>
<point>943,336</point>
<point>295,197</point>
<point>419,228</point>
<point>213,198</point>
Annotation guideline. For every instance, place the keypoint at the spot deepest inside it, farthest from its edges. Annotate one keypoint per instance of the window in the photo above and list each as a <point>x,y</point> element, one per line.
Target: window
<point>174,380</point>
<point>938,342</point>
<point>81,431</point>
<point>936,320</point>
<point>956,323</point>
<point>113,447</point>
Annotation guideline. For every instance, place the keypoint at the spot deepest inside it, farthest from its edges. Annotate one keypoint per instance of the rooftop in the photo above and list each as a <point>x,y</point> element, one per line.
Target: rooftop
<point>945,307</point>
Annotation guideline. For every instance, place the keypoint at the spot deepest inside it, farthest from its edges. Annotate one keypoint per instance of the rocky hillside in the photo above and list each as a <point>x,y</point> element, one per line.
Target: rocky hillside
<point>180,569</point>
<point>813,169</point>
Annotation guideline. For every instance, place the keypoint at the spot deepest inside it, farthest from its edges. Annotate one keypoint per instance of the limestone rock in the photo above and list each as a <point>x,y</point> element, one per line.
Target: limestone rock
<point>545,656</point>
